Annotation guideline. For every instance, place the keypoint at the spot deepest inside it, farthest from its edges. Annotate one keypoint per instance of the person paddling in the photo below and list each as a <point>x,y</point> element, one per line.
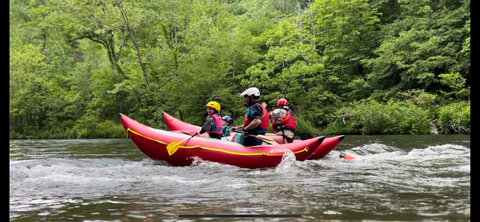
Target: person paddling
<point>213,123</point>
<point>256,119</point>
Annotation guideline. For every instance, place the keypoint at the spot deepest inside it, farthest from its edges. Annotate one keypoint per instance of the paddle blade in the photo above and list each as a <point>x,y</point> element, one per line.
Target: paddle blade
<point>173,147</point>
<point>347,157</point>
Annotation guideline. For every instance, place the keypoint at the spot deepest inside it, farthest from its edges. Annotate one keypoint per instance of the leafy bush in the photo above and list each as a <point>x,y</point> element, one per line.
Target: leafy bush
<point>90,126</point>
<point>305,127</point>
<point>110,129</point>
<point>13,135</point>
<point>340,128</point>
<point>371,117</point>
<point>454,118</point>
<point>418,97</point>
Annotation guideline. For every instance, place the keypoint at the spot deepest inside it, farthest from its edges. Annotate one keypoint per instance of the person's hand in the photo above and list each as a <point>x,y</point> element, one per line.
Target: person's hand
<point>244,133</point>
<point>232,129</point>
<point>264,104</point>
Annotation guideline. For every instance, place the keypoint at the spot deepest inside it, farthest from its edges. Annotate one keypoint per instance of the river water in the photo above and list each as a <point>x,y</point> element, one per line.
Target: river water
<point>393,178</point>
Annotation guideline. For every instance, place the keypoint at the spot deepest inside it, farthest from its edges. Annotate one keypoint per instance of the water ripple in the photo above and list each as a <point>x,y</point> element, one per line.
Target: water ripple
<point>383,183</point>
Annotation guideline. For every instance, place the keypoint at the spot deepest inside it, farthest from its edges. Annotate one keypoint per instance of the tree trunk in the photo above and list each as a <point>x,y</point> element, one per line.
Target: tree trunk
<point>125,19</point>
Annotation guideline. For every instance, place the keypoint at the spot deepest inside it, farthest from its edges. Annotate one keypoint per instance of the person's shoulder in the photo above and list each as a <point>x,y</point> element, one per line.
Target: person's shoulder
<point>256,108</point>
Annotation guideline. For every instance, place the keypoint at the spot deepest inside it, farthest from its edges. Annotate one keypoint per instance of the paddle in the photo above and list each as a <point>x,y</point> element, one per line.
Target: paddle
<point>173,146</point>
<point>265,139</point>
<point>184,132</point>
<point>261,137</point>
<point>346,156</point>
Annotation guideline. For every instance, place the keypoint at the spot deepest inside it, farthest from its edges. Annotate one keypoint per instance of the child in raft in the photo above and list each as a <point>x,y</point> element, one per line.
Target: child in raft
<point>213,123</point>
<point>283,121</point>
<point>226,123</point>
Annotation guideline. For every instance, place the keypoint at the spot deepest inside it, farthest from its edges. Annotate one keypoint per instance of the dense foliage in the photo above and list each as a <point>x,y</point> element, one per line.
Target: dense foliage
<point>346,66</point>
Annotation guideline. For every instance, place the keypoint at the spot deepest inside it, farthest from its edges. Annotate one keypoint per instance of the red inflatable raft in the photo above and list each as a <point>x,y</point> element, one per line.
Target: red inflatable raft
<point>174,124</point>
<point>153,142</point>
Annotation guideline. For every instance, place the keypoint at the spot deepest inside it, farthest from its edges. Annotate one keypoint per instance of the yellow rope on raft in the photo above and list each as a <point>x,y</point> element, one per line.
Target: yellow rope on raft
<point>138,134</point>
<point>218,150</point>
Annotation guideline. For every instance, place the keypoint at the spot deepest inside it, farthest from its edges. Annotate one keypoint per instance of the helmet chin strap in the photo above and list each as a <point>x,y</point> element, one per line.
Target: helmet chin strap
<point>249,102</point>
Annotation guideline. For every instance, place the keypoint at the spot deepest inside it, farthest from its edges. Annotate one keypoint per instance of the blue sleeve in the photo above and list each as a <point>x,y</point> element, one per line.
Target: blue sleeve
<point>250,113</point>
<point>254,112</point>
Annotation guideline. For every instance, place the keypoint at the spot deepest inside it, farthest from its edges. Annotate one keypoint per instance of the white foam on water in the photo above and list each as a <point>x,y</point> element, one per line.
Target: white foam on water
<point>378,174</point>
<point>431,169</point>
<point>190,181</point>
<point>445,149</point>
<point>381,152</point>
<point>57,178</point>
<point>375,148</point>
<point>331,212</point>
<point>463,168</point>
<point>288,161</point>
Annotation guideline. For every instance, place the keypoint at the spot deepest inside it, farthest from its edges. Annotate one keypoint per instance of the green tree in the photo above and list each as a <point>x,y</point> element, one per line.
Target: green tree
<point>425,42</point>
<point>74,65</point>
<point>290,67</point>
<point>345,33</point>
<point>27,88</point>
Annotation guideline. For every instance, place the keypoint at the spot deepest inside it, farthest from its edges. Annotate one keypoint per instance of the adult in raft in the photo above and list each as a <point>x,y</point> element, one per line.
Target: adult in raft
<point>213,124</point>
<point>283,121</point>
<point>256,119</point>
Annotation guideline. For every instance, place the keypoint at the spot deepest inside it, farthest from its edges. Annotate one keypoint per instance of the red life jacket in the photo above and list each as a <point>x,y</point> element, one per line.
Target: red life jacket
<point>290,122</point>
<point>265,119</point>
<point>217,127</point>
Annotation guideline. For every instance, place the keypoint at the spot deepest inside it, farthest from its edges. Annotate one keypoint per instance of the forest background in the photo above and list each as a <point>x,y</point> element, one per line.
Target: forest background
<point>346,66</point>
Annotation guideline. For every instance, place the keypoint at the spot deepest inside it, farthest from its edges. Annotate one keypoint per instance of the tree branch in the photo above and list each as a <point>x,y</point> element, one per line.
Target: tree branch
<point>121,46</point>
<point>144,70</point>
<point>109,48</point>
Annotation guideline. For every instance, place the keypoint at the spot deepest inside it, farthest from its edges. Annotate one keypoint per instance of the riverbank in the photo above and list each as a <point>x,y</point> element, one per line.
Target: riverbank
<point>367,117</point>
<point>119,132</point>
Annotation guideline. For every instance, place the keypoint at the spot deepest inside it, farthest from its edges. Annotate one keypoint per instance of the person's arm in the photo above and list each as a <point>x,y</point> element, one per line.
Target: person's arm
<point>291,112</point>
<point>236,128</point>
<point>265,105</point>
<point>255,113</point>
<point>208,125</point>
<point>256,122</point>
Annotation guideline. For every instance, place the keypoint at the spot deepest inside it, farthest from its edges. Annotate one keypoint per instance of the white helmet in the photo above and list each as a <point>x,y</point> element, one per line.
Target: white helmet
<point>251,91</point>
